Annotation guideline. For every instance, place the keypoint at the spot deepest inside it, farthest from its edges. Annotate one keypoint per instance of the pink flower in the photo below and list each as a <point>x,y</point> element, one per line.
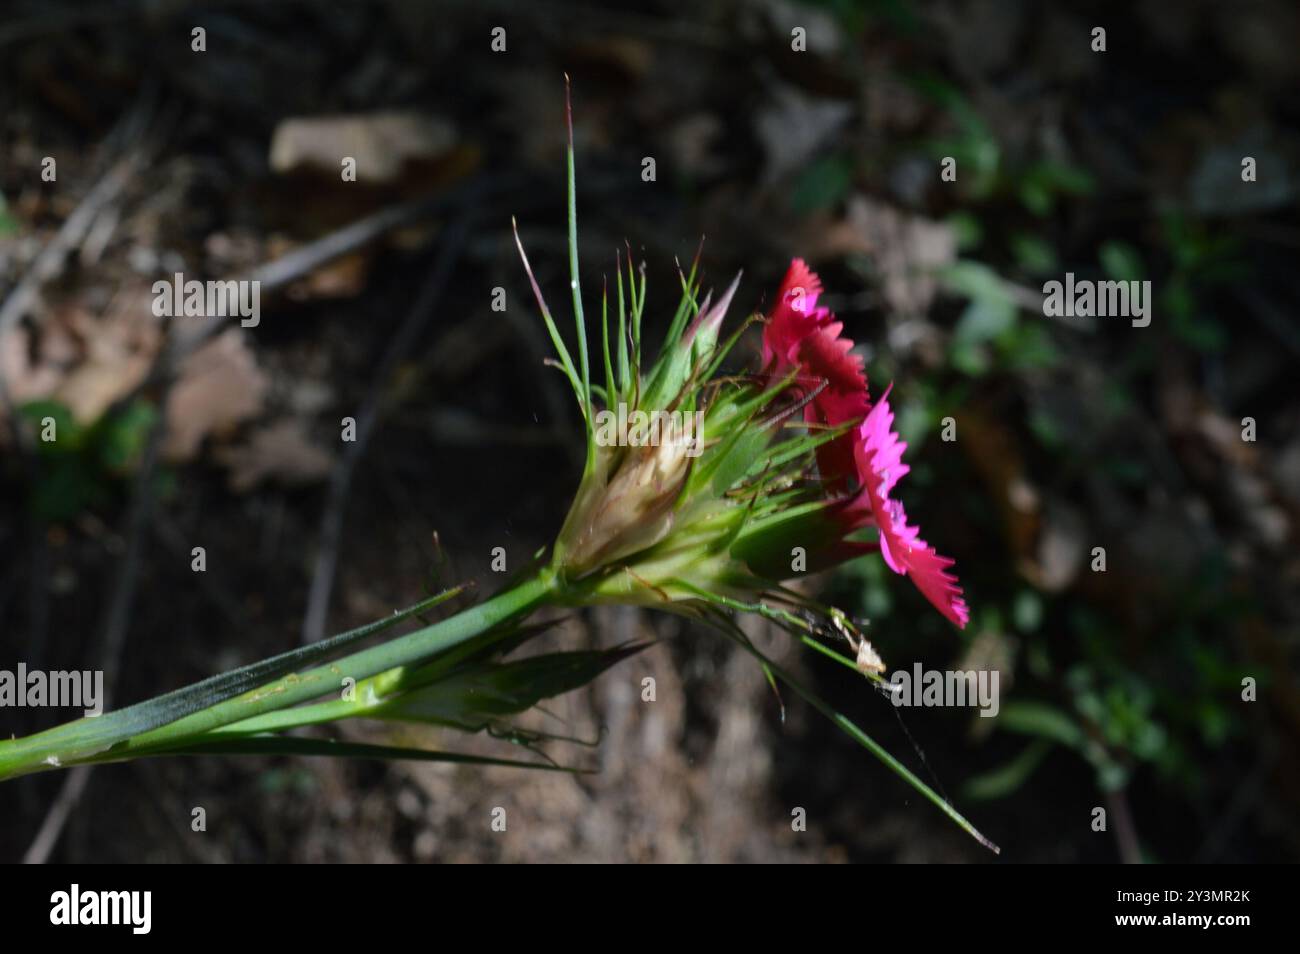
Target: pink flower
<point>867,461</point>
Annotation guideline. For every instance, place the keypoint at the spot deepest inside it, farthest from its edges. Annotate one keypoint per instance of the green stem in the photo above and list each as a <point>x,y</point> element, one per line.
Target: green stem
<point>84,739</point>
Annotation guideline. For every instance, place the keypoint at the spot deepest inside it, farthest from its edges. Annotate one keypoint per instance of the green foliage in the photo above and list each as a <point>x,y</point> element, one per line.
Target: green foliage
<point>1043,184</point>
<point>81,466</point>
<point>825,183</point>
<point>1203,259</point>
<point>478,696</point>
<point>1120,261</point>
<point>1034,254</point>
<point>1006,779</point>
<point>989,335</point>
<point>972,143</point>
<point>8,224</point>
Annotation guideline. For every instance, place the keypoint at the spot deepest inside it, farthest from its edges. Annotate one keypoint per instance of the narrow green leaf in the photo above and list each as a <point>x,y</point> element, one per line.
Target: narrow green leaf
<point>851,729</point>
<point>566,362</point>
<point>291,745</point>
<point>578,317</point>
<point>472,697</point>
<point>624,372</point>
<point>604,340</point>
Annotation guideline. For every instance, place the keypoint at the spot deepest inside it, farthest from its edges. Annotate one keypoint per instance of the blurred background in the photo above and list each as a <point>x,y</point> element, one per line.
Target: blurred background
<point>1122,687</point>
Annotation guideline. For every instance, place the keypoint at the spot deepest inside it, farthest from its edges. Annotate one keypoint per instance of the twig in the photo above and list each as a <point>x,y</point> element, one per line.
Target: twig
<point>114,639</point>
<point>119,608</point>
<point>331,528</point>
<point>299,263</point>
<point>48,834</point>
<point>73,231</point>
<point>1130,850</point>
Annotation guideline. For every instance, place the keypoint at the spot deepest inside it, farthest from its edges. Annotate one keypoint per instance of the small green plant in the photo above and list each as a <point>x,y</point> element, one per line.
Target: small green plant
<point>81,463</point>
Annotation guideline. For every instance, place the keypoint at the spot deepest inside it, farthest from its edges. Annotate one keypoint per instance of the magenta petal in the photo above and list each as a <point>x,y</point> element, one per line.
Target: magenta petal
<point>794,316</point>
<point>824,357</point>
<point>800,288</point>
<point>880,461</point>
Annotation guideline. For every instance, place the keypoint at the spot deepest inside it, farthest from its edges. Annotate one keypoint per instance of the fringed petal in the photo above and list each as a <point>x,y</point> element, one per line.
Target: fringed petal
<point>880,465</point>
<point>794,316</point>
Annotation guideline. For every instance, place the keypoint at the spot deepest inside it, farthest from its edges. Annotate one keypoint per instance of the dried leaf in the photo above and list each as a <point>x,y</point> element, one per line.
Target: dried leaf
<point>380,143</point>
<point>279,451</point>
<point>220,386</point>
<point>908,250</point>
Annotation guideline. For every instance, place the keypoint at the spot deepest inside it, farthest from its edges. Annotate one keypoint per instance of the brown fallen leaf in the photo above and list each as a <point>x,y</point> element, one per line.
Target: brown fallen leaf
<point>79,359</point>
<point>278,451</point>
<point>908,250</point>
<point>219,387</point>
<point>381,143</point>
<point>118,351</point>
<point>1061,549</point>
<point>29,373</point>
